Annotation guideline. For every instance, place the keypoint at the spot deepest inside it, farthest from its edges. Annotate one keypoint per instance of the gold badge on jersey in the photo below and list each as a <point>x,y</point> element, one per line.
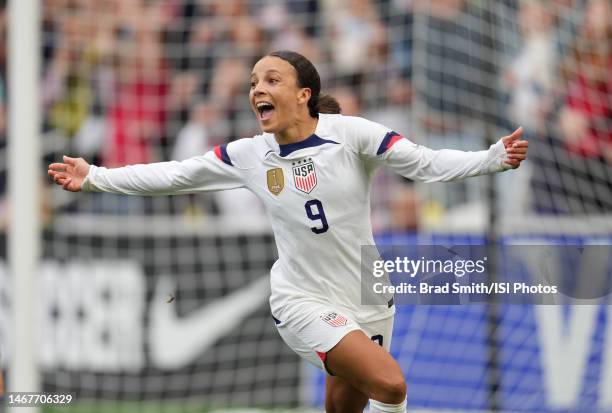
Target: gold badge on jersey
<point>276,180</point>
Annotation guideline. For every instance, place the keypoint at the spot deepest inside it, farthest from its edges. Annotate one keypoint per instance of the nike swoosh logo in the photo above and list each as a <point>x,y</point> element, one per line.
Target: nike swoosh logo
<point>177,341</point>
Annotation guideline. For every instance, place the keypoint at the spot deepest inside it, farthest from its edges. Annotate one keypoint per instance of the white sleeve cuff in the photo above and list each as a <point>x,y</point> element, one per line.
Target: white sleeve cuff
<point>88,185</point>
<point>496,158</point>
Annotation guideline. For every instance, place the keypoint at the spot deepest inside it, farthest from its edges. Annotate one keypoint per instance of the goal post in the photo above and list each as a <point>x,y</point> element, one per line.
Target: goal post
<point>24,160</point>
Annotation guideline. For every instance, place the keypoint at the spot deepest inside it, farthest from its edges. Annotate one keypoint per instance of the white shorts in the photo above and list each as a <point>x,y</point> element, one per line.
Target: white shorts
<point>311,329</point>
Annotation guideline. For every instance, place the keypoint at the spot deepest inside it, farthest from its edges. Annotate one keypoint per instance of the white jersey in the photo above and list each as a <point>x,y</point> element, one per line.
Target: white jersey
<point>317,196</point>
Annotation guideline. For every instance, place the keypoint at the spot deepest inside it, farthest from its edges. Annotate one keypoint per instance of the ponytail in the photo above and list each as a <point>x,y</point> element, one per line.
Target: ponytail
<point>323,104</point>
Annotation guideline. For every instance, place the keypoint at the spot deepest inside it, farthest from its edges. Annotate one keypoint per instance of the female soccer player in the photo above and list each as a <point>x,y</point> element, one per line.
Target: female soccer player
<point>312,168</point>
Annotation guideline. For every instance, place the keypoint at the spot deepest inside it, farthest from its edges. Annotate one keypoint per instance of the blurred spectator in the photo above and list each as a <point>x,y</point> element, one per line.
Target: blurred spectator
<point>585,117</point>
<point>357,37</point>
<point>454,41</point>
<point>246,39</point>
<point>585,120</point>
<point>274,16</point>
<point>348,100</point>
<point>568,14</point>
<point>195,139</point>
<point>394,199</point>
<point>136,116</point>
<point>78,49</point>
<point>529,82</point>
<point>456,90</point>
<point>400,22</point>
<point>229,91</point>
<point>395,112</point>
<point>307,12</point>
<point>229,81</point>
<point>529,79</point>
<point>296,39</point>
<point>287,31</point>
<point>403,208</point>
<point>184,93</point>
<point>68,92</point>
<point>201,53</point>
<point>571,167</point>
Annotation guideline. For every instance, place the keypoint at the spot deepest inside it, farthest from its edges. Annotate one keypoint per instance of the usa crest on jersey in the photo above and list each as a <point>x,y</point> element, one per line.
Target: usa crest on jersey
<point>304,175</point>
<point>333,319</point>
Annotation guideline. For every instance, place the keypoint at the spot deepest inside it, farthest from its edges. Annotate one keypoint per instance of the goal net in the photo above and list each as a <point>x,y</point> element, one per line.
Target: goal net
<point>160,304</point>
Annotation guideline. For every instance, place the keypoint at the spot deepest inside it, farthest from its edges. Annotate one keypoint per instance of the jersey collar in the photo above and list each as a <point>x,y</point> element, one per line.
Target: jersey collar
<point>309,142</point>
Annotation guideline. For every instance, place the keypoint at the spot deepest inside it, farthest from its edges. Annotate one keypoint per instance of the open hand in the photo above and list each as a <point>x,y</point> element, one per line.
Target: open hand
<point>516,149</point>
<point>70,174</point>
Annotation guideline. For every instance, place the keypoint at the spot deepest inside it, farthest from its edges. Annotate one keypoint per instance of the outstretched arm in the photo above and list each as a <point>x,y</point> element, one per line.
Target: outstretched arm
<point>202,173</point>
<point>381,146</point>
<point>428,165</point>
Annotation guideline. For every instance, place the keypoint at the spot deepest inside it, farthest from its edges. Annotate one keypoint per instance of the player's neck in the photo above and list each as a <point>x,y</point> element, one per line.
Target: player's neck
<point>297,132</point>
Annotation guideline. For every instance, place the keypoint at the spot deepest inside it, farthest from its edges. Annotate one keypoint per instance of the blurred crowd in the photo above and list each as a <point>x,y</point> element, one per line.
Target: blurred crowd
<point>560,88</point>
<point>137,81</point>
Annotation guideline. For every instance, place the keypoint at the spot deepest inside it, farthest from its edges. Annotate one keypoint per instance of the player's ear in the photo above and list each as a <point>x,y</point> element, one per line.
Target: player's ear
<point>304,95</point>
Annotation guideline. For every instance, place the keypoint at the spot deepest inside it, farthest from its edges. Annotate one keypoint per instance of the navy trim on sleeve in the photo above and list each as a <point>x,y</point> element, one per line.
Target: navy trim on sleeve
<point>221,152</point>
<point>388,141</point>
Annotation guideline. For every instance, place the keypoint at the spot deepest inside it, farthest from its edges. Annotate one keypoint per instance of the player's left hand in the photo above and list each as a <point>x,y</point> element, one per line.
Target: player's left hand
<point>516,149</point>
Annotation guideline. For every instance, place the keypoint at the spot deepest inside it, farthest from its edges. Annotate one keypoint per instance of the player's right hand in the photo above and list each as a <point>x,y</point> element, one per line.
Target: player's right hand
<point>70,174</point>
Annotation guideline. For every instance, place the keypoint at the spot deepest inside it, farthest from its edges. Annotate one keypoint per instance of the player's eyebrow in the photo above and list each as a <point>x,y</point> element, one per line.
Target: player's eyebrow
<point>269,71</point>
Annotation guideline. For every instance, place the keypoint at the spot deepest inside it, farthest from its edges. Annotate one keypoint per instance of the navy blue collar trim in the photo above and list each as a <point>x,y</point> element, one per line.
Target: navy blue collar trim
<point>312,140</point>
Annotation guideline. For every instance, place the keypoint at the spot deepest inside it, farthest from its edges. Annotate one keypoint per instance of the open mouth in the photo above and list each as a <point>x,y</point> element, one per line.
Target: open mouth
<point>265,110</point>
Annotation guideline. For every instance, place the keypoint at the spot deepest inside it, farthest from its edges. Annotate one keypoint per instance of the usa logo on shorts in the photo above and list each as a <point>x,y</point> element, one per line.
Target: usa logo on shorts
<point>304,175</point>
<point>333,319</point>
